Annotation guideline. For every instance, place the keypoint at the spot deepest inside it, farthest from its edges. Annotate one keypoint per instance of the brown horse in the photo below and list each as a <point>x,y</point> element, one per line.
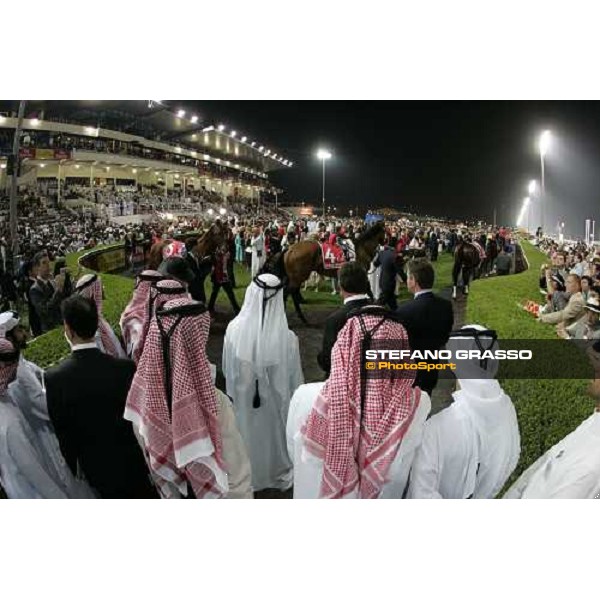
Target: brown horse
<point>295,265</point>
<point>466,259</point>
<point>212,239</point>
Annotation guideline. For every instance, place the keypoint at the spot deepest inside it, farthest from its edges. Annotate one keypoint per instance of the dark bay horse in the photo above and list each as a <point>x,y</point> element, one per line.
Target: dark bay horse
<point>466,260</point>
<point>295,265</point>
<point>212,239</point>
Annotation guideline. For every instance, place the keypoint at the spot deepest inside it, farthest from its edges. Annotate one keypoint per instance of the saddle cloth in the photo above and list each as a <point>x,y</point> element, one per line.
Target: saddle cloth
<point>333,256</point>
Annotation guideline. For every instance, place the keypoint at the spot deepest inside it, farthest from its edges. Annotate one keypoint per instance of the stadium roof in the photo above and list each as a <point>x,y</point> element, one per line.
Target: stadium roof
<point>157,120</point>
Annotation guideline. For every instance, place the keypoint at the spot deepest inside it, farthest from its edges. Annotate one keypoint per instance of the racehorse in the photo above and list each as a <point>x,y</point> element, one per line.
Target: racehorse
<point>215,237</point>
<point>466,259</point>
<point>295,265</point>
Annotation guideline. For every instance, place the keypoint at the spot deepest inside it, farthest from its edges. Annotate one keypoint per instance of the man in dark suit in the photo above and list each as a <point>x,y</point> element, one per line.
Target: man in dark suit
<point>354,286</point>
<point>47,293</point>
<point>86,396</point>
<point>201,269</point>
<point>390,268</point>
<point>428,319</point>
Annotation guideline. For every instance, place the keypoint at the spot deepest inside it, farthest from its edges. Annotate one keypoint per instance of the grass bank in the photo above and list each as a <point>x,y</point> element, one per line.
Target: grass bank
<point>547,409</point>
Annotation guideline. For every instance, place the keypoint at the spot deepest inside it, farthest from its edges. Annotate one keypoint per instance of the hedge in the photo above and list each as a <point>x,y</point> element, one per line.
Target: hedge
<point>547,409</point>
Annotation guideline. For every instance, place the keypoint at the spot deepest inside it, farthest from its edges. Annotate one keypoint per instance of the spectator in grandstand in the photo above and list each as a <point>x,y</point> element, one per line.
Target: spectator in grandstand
<point>586,286</point>
<point>572,312</point>
<point>261,364</point>
<point>588,327</point>
<point>323,431</point>
<point>469,449</point>
<point>47,293</point>
<point>86,399</point>
<point>427,318</point>
<point>354,286</point>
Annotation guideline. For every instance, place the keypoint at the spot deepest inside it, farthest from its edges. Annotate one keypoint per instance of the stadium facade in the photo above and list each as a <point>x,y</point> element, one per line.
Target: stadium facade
<point>139,143</point>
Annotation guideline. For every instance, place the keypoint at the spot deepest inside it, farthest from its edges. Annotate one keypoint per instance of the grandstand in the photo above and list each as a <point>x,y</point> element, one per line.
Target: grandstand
<point>79,149</point>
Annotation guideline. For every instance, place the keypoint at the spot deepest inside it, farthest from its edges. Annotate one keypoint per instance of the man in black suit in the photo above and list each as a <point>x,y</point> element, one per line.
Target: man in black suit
<point>390,268</point>
<point>47,293</point>
<point>86,396</point>
<point>201,269</point>
<point>428,319</point>
<point>354,286</point>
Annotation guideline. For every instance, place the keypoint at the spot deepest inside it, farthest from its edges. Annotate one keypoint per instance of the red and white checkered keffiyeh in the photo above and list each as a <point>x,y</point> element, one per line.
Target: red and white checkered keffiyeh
<point>90,286</point>
<point>356,459</point>
<point>161,292</point>
<point>134,311</point>
<point>185,447</point>
<point>8,370</point>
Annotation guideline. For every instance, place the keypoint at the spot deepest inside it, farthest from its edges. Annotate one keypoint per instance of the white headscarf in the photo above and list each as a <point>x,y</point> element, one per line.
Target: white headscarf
<point>491,412</point>
<point>259,334</point>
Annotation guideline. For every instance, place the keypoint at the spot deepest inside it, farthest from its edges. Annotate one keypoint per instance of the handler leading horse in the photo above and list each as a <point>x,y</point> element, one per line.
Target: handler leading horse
<point>295,265</point>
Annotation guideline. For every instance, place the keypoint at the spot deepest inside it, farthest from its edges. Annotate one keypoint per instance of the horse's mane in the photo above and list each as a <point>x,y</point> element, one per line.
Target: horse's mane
<point>371,233</point>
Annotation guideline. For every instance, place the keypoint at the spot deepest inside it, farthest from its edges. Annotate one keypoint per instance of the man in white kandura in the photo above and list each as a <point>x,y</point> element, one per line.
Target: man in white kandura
<point>355,438</point>
<point>184,425</point>
<point>570,469</point>
<point>469,449</point>
<point>261,364</point>
<point>257,243</point>
<point>28,393</point>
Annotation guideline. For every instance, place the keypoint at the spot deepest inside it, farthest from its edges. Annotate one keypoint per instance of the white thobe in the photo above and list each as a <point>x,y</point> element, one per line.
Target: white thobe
<point>131,334</point>
<point>263,428</point>
<point>308,469</point>
<point>470,449</point>
<point>28,394</point>
<point>570,469</point>
<point>258,246</point>
<point>374,274</point>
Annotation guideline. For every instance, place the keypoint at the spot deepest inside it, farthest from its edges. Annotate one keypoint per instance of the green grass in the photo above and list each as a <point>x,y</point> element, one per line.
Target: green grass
<point>547,409</point>
<point>49,348</point>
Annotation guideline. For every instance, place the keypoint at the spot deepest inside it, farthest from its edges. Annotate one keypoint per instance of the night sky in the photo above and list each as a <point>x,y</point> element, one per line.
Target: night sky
<point>459,159</point>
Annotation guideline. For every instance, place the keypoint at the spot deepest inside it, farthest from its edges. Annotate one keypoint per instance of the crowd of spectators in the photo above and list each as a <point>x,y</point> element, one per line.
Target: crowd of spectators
<point>570,285</point>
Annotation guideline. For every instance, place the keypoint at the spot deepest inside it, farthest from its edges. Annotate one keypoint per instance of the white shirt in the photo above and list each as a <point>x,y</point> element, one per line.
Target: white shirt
<point>356,297</point>
<point>421,292</point>
<point>570,469</point>
<point>87,346</point>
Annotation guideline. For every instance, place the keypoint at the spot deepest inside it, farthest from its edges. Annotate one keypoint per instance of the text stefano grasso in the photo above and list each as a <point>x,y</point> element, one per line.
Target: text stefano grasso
<point>448,354</point>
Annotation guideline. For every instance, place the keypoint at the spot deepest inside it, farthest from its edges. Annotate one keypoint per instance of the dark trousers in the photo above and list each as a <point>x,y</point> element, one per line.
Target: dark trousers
<point>388,297</point>
<point>228,290</point>
<point>230,273</point>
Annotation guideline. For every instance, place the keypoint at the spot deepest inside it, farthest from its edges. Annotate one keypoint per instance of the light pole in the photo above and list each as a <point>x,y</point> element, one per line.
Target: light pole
<point>323,155</point>
<point>544,145</point>
<point>531,188</point>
